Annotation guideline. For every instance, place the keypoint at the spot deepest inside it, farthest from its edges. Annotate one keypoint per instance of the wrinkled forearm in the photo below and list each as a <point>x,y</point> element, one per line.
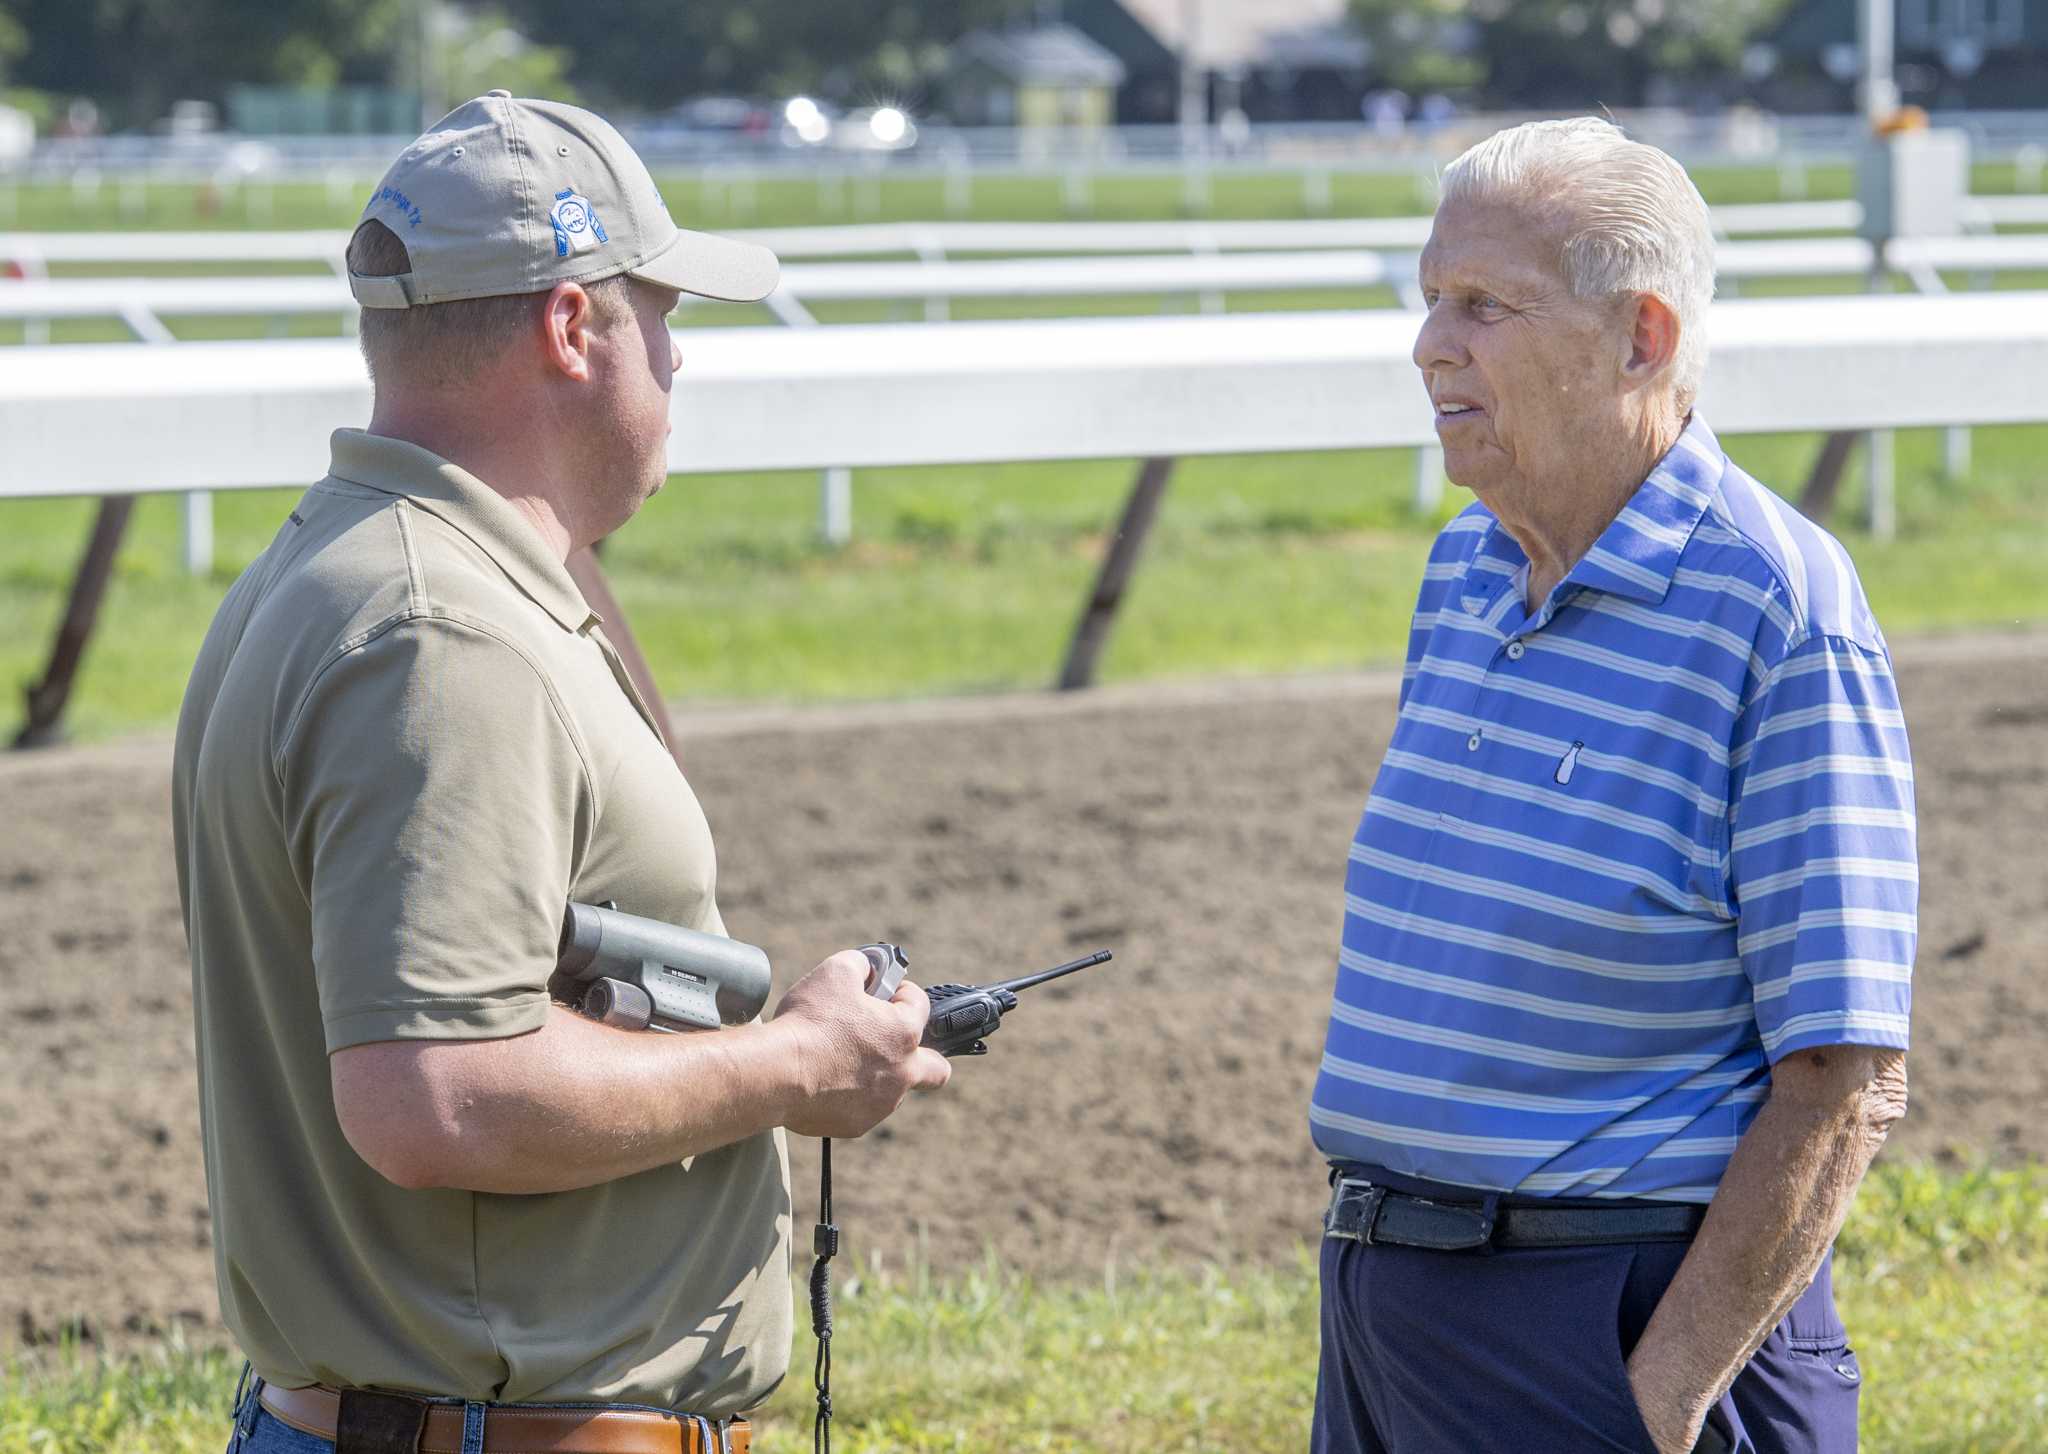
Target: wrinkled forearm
<point>1780,1204</point>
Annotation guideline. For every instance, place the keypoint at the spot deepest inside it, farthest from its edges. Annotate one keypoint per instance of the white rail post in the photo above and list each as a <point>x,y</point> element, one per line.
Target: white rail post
<point>1880,471</point>
<point>835,482</point>
<point>835,505</point>
<point>2026,167</point>
<point>195,516</point>
<point>1076,195</point>
<point>959,181</point>
<point>1429,458</point>
<point>1315,189</point>
<point>930,250</point>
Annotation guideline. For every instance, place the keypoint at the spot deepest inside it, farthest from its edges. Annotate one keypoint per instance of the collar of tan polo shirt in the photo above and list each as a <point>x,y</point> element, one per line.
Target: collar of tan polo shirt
<point>471,506</point>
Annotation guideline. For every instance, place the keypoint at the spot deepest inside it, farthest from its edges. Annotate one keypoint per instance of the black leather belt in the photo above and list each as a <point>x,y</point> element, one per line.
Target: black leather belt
<point>1381,1216</point>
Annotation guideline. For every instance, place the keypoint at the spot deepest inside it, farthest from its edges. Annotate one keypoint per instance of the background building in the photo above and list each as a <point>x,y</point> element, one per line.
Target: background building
<point>1039,77</point>
<point>1276,60</point>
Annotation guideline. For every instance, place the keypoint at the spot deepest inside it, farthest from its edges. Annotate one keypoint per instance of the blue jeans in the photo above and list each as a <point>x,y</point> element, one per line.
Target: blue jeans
<point>258,1431</point>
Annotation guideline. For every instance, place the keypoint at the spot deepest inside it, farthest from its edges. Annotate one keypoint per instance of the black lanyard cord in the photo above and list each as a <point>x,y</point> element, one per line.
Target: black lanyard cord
<point>824,1242</point>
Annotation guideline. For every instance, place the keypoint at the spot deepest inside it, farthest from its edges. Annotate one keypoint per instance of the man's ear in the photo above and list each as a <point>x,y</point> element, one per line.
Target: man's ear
<point>567,323</point>
<point>1653,338</point>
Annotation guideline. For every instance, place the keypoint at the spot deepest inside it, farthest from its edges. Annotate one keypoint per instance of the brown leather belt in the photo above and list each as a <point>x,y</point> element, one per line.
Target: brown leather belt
<point>530,1429</point>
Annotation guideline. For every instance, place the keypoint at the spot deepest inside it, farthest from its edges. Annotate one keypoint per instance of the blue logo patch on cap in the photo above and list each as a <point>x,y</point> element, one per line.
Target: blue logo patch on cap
<point>575,221</point>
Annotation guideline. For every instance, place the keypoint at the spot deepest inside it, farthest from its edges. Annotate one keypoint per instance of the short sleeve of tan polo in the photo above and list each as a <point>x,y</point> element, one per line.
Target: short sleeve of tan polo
<point>436,802</point>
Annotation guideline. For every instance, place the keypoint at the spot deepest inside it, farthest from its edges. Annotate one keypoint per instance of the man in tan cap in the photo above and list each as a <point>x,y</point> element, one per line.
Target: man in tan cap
<point>440,1199</point>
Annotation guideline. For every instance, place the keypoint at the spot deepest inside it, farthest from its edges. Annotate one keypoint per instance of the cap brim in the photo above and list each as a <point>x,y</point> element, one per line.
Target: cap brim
<point>713,267</point>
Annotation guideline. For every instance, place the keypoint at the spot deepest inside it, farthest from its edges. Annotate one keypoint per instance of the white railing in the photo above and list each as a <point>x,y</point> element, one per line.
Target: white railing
<point>34,252</point>
<point>146,301</point>
<point>114,421</point>
<point>238,415</point>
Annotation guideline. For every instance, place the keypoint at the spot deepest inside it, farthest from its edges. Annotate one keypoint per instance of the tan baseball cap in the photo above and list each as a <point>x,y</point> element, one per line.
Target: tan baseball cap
<point>505,195</point>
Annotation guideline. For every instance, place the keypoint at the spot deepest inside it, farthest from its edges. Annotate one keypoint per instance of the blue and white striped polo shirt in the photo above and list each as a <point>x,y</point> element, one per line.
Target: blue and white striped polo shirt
<point>1624,852</point>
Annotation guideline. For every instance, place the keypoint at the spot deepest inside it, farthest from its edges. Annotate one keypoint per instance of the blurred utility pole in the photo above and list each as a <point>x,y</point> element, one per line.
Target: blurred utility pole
<point>1194,100</point>
<point>1879,91</point>
<point>423,61</point>
<point>1880,97</point>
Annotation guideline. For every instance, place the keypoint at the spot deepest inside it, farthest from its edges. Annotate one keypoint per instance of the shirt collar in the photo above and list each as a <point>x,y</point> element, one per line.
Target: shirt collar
<point>471,506</point>
<point>1637,554</point>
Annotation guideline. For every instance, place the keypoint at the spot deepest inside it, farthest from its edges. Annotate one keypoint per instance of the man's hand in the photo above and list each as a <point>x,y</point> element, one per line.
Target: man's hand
<point>1672,1412</point>
<point>1774,1216</point>
<point>859,1057</point>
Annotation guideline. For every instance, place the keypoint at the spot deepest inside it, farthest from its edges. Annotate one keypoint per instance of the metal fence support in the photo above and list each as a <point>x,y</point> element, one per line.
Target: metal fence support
<point>1824,481</point>
<point>47,698</point>
<point>1140,509</point>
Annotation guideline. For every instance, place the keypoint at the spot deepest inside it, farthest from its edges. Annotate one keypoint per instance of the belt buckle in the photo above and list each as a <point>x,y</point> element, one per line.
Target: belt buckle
<point>1366,1197</point>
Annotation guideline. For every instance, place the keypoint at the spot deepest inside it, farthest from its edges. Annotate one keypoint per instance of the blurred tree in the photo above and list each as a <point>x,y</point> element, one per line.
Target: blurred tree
<point>652,53</point>
<point>474,51</point>
<point>13,37</point>
<point>1557,52</point>
<point>137,56</point>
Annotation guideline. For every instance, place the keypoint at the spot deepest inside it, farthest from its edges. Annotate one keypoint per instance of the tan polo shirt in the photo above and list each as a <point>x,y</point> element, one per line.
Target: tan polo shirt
<point>405,747</point>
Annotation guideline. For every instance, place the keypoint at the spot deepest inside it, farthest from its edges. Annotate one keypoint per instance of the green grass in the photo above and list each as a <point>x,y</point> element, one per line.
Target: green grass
<point>969,578</point>
<point>1940,1275</point>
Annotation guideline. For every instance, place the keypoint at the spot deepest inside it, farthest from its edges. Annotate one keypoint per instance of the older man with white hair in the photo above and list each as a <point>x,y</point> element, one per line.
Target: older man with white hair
<point>1621,1007</point>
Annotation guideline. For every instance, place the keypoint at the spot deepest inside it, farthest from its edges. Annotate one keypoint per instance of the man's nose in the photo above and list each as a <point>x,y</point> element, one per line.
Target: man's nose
<point>1436,343</point>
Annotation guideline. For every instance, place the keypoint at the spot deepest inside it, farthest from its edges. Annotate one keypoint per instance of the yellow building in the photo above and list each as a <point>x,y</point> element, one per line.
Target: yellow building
<point>1040,78</point>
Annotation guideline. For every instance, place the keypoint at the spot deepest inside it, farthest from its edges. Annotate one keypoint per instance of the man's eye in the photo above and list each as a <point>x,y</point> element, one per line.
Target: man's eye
<point>1429,297</point>
<point>1487,303</point>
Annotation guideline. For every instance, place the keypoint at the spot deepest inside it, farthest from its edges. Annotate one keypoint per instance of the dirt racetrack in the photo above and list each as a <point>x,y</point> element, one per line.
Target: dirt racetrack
<point>1150,1109</point>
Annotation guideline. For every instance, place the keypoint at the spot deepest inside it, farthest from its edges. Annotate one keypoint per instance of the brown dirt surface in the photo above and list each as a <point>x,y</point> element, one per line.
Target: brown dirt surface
<point>1148,1110</point>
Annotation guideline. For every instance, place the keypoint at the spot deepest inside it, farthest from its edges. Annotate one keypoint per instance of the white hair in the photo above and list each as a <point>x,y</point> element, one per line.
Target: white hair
<point>1635,223</point>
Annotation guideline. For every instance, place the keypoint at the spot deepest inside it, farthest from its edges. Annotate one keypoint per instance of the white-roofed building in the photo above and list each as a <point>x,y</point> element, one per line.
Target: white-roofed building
<point>1274,59</point>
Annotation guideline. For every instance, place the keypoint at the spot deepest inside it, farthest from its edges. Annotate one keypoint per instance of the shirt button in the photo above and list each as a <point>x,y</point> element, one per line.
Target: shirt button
<point>1515,650</point>
<point>1472,743</point>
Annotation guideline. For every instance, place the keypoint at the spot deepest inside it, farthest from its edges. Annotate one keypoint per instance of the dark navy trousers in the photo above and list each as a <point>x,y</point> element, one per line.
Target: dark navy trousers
<point>1523,1352</point>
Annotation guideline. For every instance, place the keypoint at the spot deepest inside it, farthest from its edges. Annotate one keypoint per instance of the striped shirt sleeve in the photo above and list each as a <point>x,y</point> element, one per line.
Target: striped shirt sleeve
<point>1822,864</point>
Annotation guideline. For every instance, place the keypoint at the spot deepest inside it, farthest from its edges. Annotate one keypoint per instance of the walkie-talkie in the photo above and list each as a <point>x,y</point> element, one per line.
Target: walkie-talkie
<point>963,1013</point>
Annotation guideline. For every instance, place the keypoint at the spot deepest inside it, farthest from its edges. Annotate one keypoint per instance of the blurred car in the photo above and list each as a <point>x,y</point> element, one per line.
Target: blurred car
<point>875,128</point>
<point>714,114</point>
